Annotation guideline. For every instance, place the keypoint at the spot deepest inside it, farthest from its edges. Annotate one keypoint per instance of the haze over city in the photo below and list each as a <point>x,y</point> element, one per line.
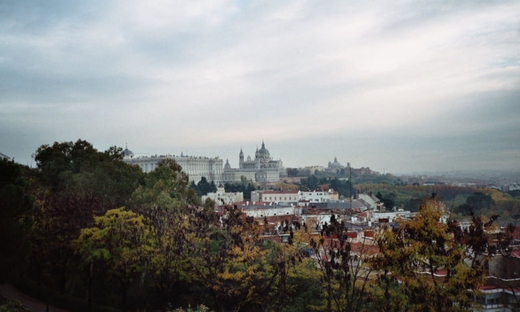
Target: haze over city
<point>397,86</point>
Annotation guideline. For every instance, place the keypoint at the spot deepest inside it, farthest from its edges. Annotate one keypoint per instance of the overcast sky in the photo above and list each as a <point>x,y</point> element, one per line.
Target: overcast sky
<point>398,86</point>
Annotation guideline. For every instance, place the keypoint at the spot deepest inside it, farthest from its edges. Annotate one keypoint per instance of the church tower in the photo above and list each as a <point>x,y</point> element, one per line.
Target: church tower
<point>241,159</point>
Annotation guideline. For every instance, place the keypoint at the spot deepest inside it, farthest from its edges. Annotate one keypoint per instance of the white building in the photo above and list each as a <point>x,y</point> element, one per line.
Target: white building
<point>514,187</point>
<point>261,210</point>
<point>275,196</point>
<point>389,216</point>
<point>318,196</point>
<point>223,198</point>
<point>293,196</point>
<point>195,166</point>
<point>372,201</point>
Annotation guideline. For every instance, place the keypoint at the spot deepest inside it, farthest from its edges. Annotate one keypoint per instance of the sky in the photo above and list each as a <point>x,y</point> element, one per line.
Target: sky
<point>397,86</point>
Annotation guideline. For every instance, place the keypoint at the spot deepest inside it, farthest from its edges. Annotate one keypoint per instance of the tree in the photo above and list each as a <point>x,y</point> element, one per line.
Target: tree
<point>312,182</point>
<point>169,205</point>
<point>285,186</point>
<point>241,271</point>
<point>204,187</point>
<point>292,172</point>
<point>422,264</point>
<point>239,187</point>
<point>78,168</point>
<point>74,183</point>
<point>475,203</point>
<point>120,240</point>
<point>16,206</point>
<point>166,186</point>
<point>297,286</point>
<point>343,273</point>
<point>170,267</point>
<point>344,188</point>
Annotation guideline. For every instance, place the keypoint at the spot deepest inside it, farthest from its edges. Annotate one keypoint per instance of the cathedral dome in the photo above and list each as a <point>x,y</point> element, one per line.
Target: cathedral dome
<point>127,153</point>
<point>263,152</point>
<point>335,164</point>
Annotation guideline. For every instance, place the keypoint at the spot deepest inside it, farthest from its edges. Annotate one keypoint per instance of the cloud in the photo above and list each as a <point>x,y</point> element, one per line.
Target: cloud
<point>372,83</point>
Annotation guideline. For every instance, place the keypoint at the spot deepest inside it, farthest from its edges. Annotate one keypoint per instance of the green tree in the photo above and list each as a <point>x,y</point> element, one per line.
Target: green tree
<point>166,186</point>
<point>16,205</point>
<point>170,206</point>
<point>475,203</point>
<point>120,240</point>
<point>312,183</point>
<point>422,264</point>
<point>74,183</point>
<point>203,187</point>
<point>171,263</point>
<point>79,168</point>
<point>246,188</point>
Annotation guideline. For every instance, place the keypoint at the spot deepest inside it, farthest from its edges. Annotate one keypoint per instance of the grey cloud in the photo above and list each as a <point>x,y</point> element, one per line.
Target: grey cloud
<point>386,85</point>
<point>36,17</point>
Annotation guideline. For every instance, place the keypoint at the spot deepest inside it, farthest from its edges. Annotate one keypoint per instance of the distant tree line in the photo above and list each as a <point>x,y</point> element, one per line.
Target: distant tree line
<point>203,187</point>
<point>246,187</point>
<point>461,201</point>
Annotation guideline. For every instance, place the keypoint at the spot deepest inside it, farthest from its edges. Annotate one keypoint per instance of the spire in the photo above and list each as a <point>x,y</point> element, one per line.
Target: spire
<point>263,145</point>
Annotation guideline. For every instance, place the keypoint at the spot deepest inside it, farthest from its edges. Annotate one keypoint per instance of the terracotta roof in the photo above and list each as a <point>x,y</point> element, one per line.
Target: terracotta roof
<point>516,233</point>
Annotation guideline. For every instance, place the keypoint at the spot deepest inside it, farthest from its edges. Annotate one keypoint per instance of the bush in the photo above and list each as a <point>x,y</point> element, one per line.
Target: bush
<point>200,308</point>
<point>12,306</point>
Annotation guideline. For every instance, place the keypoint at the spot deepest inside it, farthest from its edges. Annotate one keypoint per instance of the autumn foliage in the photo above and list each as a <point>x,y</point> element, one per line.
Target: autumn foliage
<point>100,235</point>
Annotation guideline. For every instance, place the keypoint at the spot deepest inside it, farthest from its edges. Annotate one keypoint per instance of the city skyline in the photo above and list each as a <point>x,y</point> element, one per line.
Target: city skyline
<point>398,87</point>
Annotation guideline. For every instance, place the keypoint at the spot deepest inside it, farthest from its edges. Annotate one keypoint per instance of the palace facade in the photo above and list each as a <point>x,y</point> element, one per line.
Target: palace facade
<point>195,166</point>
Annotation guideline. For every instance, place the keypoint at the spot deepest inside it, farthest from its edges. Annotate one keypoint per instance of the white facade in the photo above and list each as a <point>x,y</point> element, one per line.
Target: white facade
<point>223,198</point>
<point>316,219</point>
<point>372,201</point>
<point>392,216</point>
<point>318,196</point>
<point>195,166</point>
<point>275,196</point>
<point>270,211</point>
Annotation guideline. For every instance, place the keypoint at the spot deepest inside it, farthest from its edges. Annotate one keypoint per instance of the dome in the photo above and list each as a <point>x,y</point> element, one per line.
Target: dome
<point>127,153</point>
<point>227,166</point>
<point>263,152</point>
<point>335,164</point>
